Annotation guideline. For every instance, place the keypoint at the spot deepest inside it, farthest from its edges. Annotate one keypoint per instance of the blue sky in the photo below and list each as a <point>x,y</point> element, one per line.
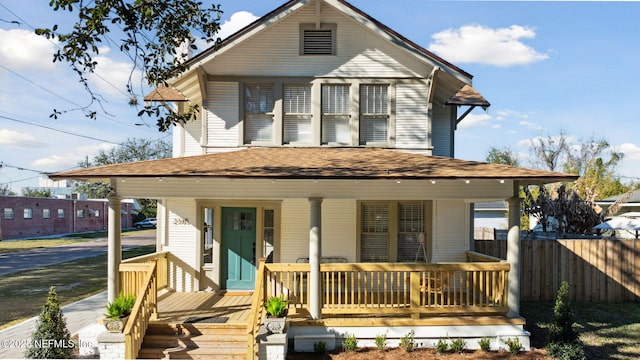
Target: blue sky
<point>546,67</point>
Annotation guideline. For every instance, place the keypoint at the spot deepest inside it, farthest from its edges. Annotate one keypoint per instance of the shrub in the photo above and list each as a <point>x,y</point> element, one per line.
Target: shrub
<point>320,347</point>
<point>381,341</point>
<point>458,345</point>
<point>408,342</point>
<point>350,343</point>
<point>276,306</point>
<point>561,327</point>
<point>514,345</point>
<point>572,351</point>
<point>442,346</point>
<point>51,326</point>
<point>120,307</point>
<point>485,344</point>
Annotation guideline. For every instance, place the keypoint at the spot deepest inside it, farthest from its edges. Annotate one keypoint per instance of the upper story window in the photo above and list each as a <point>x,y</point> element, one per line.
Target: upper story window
<point>258,112</point>
<point>80,213</point>
<point>317,41</point>
<point>8,213</point>
<point>297,113</point>
<point>46,213</point>
<point>60,213</point>
<point>335,114</point>
<point>28,213</point>
<point>374,113</point>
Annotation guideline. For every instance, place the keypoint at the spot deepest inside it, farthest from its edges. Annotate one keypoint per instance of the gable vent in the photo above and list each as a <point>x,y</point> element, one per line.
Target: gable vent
<point>318,42</point>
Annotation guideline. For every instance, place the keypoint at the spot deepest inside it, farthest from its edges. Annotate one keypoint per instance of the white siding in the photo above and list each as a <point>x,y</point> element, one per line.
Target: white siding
<point>192,137</point>
<point>412,130</point>
<point>222,113</point>
<point>182,242</point>
<point>338,229</point>
<point>450,231</point>
<point>442,138</point>
<point>359,53</point>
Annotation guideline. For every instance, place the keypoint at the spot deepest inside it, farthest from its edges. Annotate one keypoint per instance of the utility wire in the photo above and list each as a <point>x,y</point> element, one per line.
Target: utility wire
<point>59,130</point>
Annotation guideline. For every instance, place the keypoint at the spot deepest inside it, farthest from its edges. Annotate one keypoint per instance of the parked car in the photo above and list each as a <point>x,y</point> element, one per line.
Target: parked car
<point>146,223</point>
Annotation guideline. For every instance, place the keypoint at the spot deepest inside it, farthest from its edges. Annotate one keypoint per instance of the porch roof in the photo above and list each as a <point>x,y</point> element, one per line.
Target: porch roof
<point>316,163</point>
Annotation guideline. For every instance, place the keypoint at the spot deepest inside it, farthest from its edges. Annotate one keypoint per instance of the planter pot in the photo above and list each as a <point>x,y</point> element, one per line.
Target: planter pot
<point>116,325</point>
<point>275,325</point>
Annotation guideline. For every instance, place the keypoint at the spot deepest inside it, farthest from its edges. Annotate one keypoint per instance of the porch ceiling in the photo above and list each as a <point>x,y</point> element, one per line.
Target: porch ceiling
<point>316,163</point>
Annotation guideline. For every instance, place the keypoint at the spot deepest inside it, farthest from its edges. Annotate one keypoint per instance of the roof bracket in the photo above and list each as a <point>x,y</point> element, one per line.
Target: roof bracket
<point>464,115</point>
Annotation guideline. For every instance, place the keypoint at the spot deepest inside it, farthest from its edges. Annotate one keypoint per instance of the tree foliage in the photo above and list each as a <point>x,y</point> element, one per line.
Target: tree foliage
<point>572,214</point>
<point>36,192</point>
<point>5,190</point>
<point>51,339</point>
<point>133,149</point>
<point>153,33</point>
<point>504,156</point>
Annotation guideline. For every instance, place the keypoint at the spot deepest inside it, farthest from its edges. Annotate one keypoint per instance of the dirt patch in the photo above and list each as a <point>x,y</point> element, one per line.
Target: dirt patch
<point>418,354</point>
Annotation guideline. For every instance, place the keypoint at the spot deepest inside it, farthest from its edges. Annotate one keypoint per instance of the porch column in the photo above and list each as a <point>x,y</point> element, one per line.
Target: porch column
<point>513,257</point>
<point>114,252</point>
<point>315,253</point>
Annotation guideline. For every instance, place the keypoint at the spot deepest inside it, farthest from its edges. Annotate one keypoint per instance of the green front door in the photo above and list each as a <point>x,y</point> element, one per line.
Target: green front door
<point>238,248</point>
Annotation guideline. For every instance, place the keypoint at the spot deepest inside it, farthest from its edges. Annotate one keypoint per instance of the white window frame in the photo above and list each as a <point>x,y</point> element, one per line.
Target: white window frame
<point>27,213</point>
<point>298,110</point>
<point>374,109</point>
<point>9,213</point>
<point>267,113</point>
<point>337,112</point>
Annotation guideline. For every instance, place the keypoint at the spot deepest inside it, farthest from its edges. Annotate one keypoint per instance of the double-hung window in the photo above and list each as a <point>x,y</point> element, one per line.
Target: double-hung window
<point>258,112</point>
<point>374,114</point>
<point>335,114</point>
<point>297,113</point>
<point>411,236</point>
<point>374,240</point>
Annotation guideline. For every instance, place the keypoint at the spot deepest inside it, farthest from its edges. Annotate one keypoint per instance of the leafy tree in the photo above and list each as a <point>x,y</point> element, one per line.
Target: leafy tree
<point>133,149</point>
<point>51,339</point>
<point>153,31</point>
<point>36,192</point>
<point>503,156</point>
<point>5,190</point>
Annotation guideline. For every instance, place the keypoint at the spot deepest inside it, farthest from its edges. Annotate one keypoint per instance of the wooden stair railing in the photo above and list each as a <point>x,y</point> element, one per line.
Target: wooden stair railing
<point>145,289</point>
<point>257,312</point>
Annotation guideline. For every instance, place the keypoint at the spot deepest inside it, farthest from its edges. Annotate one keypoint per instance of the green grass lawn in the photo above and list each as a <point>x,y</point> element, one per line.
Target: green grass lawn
<point>23,294</point>
<point>608,331</point>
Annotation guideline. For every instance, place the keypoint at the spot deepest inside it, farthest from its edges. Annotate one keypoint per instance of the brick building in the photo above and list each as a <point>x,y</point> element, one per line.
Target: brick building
<point>24,217</point>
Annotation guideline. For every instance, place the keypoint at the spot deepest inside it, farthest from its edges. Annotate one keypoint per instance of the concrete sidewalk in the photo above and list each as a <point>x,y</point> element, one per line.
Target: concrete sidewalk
<point>78,315</point>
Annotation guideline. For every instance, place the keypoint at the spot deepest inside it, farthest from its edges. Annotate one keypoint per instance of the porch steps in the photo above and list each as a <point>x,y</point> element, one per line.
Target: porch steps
<point>194,341</point>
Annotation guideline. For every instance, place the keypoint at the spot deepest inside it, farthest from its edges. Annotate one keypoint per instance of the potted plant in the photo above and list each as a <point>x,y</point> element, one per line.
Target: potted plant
<point>118,312</point>
<point>276,319</point>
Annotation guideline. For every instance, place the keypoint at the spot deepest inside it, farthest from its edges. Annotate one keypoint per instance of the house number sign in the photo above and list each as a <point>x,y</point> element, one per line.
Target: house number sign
<point>181,221</point>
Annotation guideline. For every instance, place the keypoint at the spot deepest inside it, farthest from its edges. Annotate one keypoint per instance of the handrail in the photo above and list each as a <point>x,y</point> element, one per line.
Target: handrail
<point>146,258</point>
<point>257,311</point>
<point>143,310</point>
<point>474,256</point>
<point>162,259</point>
<point>393,288</point>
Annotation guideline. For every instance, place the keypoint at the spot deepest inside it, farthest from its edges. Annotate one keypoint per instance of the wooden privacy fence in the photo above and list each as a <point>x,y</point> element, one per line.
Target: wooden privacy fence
<point>597,270</point>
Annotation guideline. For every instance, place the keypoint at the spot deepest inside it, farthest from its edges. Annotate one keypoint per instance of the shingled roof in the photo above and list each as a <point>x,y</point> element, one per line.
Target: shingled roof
<point>316,163</point>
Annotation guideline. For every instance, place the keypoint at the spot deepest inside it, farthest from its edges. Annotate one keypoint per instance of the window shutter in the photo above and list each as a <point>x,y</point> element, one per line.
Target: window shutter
<point>318,42</point>
<point>374,244</point>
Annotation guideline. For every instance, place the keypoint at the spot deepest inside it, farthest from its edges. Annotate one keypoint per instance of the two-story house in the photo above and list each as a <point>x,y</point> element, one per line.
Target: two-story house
<point>325,144</point>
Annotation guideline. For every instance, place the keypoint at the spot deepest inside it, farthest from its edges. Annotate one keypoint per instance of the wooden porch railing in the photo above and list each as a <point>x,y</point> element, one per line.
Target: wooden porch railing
<point>395,288</point>
<point>257,312</point>
<point>142,276</point>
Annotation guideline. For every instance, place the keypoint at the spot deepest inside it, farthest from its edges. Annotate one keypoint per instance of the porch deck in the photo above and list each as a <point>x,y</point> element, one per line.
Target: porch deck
<point>234,309</point>
<point>204,307</point>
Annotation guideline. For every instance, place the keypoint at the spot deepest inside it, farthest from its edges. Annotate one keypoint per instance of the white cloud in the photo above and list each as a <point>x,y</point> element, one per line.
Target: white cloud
<point>480,44</point>
<point>111,76</point>
<point>530,125</point>
<point>19,139</point>
<point>474,120</point>
<point>23,49</point>
<point>68,159</point>
<point>630,151</point>
<point>237,21</point>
